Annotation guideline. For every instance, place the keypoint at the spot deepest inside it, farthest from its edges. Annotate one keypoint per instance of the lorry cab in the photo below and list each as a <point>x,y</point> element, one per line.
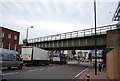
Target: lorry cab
<point>59,58</point>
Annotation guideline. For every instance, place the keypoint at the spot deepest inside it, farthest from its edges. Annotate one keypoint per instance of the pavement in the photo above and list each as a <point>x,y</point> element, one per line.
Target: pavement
<point>101,76</point>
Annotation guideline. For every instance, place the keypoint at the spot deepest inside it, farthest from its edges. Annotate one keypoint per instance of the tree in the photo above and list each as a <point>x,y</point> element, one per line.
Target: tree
<point>73,52</point>
<point>24,41</point>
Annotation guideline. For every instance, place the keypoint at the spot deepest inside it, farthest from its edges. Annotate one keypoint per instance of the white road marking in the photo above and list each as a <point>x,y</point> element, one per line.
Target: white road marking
<point>48,68</point>
<point>51,67</point>
<point>61,66</point>
<point>9,73</point>
<point>41,69</point>
<point>33,70</point>
<point>81,72</point>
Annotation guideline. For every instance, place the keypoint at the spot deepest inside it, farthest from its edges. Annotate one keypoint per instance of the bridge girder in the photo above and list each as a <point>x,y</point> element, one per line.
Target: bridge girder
<point>79,43</point>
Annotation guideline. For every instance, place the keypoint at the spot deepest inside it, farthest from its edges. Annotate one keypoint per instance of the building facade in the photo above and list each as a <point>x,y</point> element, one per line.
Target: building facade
<point>9,39</point>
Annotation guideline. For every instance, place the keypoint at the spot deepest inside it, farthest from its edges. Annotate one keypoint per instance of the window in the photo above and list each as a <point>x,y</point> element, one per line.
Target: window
<point>15,37</point>
<point>1,45</point>
<point>2,34</point>
<point>9,46</point>
<point>9,36</point>
<point>15,47</point>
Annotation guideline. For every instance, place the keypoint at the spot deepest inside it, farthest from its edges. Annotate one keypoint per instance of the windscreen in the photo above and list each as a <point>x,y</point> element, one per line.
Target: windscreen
<point>8,54</point>
<point>56,57</point>
<point>27,51</point>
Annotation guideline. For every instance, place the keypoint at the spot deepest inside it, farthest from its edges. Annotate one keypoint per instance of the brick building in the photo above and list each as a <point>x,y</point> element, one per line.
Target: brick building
<point>9,39</point>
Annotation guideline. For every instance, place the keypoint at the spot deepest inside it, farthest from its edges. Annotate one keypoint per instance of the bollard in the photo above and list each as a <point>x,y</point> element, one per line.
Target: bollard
<point>3,80</point>
<point>88,77</point>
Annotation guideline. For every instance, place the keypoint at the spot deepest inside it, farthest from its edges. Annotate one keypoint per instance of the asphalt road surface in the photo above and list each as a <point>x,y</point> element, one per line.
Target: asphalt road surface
<point>45,72</point>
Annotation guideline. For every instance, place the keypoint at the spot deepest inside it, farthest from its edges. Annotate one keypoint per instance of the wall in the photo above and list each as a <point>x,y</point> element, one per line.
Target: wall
<point>12,41</point>
<point>113,63</point>
<point>113,38</point>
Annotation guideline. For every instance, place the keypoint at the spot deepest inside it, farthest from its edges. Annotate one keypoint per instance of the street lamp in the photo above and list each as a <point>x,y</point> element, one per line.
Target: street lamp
<point>95,38</point>
<point>27,35</point>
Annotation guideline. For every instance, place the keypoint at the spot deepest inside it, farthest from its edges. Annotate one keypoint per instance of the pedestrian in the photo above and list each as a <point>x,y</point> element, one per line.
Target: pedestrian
<point>100,66</point>
<point>94,64</point>
<point>103,66</point>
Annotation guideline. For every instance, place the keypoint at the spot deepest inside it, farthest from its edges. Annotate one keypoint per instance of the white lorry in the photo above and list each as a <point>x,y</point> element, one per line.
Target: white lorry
<point>34,56</point>
<point>10,58</point>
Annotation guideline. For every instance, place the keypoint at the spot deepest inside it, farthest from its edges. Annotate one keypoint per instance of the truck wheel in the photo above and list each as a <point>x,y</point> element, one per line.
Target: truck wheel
<point>20,66</point>
<point>3,80</point>
<point>28,65</point>
<point>47,64</point>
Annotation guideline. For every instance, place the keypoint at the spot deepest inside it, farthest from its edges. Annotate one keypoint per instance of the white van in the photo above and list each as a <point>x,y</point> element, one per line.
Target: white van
<point>10,59</point>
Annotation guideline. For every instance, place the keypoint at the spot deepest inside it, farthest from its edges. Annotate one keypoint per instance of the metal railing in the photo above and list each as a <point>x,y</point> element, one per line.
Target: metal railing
<point>74,34</point>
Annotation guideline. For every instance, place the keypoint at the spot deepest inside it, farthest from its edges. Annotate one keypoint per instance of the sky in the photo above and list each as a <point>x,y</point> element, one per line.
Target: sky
<point>49,17</point>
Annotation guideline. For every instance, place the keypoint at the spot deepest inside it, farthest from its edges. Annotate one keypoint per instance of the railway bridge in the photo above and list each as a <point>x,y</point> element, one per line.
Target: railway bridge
<point>76,40</point>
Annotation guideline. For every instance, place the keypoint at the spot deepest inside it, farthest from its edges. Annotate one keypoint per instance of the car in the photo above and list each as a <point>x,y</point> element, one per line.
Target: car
<point>86,60</point>
<point>82,60</point>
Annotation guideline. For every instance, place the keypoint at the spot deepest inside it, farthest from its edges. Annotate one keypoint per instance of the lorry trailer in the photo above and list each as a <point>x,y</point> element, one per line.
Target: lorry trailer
<point>34,56</point>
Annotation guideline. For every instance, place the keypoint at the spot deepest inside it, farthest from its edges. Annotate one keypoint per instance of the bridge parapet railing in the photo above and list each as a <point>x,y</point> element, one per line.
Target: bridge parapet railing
<point>74,34</point>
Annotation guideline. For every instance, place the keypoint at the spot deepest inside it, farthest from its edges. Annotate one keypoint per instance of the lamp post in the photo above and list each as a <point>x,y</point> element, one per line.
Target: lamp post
<point>95,38</point>
<point>27,35</point>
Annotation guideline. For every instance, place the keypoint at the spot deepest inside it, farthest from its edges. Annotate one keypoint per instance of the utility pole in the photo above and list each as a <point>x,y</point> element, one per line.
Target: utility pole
<point>95,38</point>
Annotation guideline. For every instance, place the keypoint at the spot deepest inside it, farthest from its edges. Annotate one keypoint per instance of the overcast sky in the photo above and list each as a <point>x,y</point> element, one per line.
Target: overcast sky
<point>51,17</point>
